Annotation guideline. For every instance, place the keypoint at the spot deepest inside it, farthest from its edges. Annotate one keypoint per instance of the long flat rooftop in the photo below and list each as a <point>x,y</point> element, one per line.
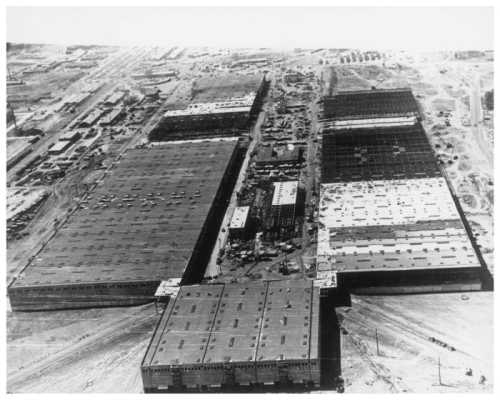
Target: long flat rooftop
<point>370,103</point>
<point>401,152</point>
<point>141,222</point>
<point>232,105</point>
<point>391,224</point>
<point>250,322</point>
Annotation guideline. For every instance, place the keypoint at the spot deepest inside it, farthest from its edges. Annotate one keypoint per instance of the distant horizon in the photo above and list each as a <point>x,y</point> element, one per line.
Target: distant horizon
<point>243,48</point>
<point>381,28</point>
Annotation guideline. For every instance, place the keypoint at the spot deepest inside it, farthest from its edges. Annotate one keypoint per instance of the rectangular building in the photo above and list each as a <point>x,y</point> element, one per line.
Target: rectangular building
<point>92,118</point>
<point>239,222</point>
<point>70,136</point>
<point>155,216</point>
<point>388,221</point>
<point>397,152</point>
<point>60,147</point>
<point>400,232</point>
<point>283,205</point>
<point>236,335</point>
<point>375,103</point>
<point>112,117</point>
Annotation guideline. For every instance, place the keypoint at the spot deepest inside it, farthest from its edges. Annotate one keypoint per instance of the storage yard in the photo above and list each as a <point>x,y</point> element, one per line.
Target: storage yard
<point>262,212</point>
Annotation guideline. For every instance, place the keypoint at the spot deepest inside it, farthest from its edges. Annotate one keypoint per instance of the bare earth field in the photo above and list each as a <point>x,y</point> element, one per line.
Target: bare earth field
<point>96,350</point>
<point>408,360</point>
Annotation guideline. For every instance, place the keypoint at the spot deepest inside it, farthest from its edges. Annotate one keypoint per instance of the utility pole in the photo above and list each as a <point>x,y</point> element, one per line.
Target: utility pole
<point>439,371</point>
<point>376,339</point>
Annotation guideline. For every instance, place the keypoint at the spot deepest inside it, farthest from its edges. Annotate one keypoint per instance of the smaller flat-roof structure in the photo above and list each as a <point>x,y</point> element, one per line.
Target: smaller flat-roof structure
<point>60,147</point>
<point>70,136</point>
<point>92,118</point>
<point>239,217</point>
<point>114,98</point>
<point>285,193</point>
<point>111,117</point>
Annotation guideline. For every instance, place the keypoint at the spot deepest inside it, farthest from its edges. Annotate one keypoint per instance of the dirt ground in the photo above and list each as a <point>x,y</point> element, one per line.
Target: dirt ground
<point>408,360</point>
<point>96,350</point>
<point>100,350</point>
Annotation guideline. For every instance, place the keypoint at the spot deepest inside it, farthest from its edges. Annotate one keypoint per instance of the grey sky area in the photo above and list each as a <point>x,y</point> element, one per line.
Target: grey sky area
<point>409,28</point>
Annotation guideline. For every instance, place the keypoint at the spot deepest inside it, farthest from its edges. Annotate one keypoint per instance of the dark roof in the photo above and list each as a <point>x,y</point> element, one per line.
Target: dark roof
<point>370,103</point>
<point>141,222</point>
<point>377,153</point>
<point>244,322</point>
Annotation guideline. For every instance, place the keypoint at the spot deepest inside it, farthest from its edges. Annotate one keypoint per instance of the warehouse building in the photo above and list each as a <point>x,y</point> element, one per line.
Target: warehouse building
<point>155,216</point>
<point>404,245</point>
<point>92,118</point>
<point>70,136</point>
<point>222,118</point>
<point>112,117</point>
<point>406,231</point>
<point>60,147</point>
<point>388,221</point>
<point>396,152</point>
<point>212,115</point>
<point>114,98</point>
<point>370,104</point>
<point>235,336</point>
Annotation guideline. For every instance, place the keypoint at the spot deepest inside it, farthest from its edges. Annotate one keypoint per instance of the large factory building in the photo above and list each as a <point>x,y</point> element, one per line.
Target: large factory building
<point>227,116</point>
<point>154,217</point>
<point>235,336</point>
<point>388,221</point>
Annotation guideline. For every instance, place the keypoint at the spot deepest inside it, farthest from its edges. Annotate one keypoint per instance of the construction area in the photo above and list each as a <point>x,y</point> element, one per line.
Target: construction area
<point>262,225</point>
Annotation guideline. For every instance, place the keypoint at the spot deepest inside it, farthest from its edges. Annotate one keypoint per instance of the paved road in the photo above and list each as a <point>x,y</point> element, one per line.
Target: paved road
<point>212,268</point>
<point>476,122</point>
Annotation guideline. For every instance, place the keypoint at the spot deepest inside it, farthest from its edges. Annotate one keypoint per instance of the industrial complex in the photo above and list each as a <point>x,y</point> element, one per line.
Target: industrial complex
<point>247,205</point>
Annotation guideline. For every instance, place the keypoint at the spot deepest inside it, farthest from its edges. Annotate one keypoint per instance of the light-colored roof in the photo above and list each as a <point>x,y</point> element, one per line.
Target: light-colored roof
<point>239,218</point>
<point>237,104</point>
<point>285,193</point>
<point>374,122</point>
<point>391,224</point>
